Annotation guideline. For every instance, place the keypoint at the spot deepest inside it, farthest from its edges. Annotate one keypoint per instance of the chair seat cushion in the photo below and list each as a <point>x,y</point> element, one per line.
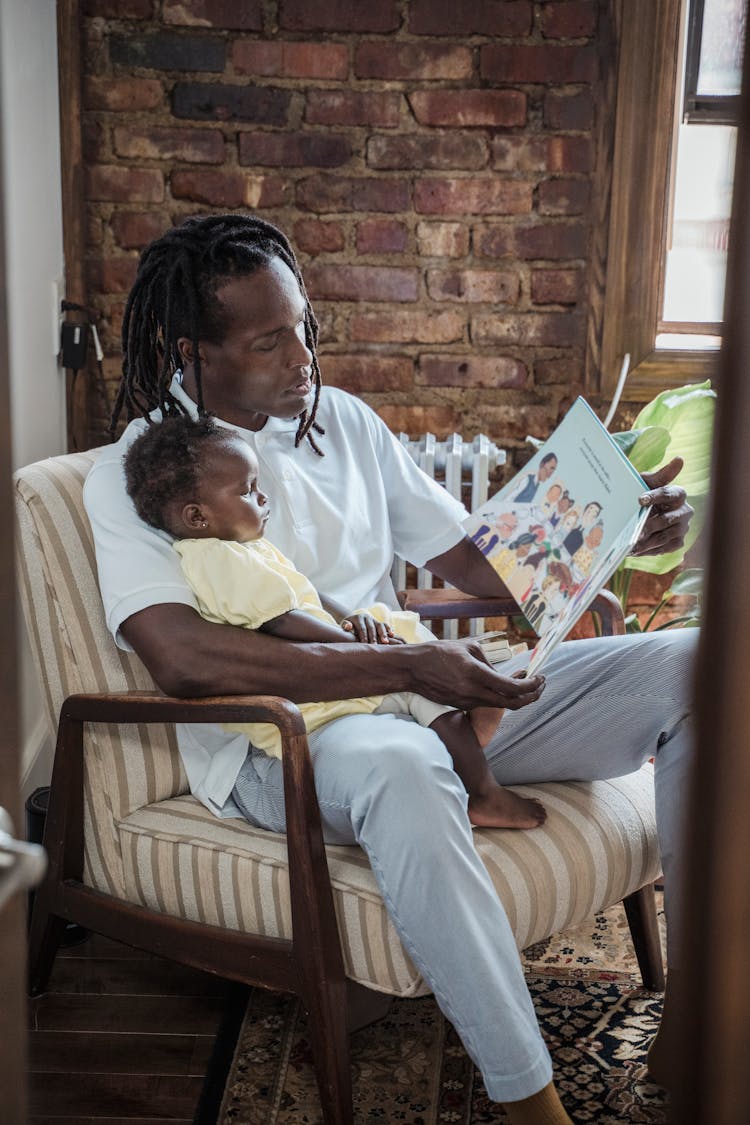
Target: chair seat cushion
<point>597,846</point>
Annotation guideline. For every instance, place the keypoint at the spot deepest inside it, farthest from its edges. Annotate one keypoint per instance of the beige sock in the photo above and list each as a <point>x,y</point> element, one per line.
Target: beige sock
<point>544,1108</point>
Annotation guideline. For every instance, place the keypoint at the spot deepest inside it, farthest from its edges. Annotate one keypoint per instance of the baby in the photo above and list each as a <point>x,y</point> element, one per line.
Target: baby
<point>199,482</point>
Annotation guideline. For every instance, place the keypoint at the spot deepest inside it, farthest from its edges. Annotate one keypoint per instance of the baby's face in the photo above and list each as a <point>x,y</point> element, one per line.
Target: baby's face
<point>231,501</point>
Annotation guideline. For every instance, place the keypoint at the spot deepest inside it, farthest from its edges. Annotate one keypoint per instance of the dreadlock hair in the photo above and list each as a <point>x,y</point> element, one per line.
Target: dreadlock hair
<point>165,464</point>
<point>175,295</point>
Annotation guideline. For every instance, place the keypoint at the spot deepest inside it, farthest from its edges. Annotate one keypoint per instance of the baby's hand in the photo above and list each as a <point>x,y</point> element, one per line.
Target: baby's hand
<point>368,629</point>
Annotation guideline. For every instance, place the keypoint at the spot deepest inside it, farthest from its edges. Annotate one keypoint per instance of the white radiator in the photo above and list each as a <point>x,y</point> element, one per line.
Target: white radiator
<point>463,467</point>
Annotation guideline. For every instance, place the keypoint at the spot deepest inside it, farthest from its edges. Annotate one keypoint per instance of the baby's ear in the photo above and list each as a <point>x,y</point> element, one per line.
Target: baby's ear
<point>193,518</point>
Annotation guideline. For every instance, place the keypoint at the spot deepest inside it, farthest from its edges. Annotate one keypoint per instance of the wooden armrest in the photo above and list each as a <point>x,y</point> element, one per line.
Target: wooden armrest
<point>439,604</point>
<point>307,860</point>
<point>152,707</point>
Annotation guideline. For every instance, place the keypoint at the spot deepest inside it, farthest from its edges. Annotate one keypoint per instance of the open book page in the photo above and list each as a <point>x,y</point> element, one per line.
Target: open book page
<point>558,530</point>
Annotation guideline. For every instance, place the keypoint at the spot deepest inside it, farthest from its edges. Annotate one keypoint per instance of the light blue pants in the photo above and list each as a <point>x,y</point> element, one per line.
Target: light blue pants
<point>388,784</point>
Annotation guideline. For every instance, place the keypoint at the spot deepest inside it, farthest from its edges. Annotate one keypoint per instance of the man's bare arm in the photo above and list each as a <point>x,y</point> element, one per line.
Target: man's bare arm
<point>466,568</point>
<point>188,656</point>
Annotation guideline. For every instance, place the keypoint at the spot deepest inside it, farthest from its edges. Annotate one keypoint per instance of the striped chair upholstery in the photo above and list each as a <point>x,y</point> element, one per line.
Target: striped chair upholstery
<point>149,842</point>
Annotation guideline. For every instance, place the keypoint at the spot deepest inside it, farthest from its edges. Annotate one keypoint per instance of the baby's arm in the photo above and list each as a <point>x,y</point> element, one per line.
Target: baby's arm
<point>296,625</point>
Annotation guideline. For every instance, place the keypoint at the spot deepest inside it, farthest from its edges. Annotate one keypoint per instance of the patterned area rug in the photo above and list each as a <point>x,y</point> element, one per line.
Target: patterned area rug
<point>411,1067</point>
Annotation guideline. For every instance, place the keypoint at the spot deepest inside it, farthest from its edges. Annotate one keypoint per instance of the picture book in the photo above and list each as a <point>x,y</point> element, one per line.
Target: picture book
<point>557,531</point>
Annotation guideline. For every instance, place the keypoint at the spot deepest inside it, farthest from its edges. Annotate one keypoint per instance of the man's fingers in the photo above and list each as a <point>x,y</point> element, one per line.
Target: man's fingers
<point>664,475</point>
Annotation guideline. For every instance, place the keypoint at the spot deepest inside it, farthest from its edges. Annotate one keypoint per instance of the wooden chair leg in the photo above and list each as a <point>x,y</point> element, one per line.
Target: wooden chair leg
<point>45,937</point>
<point>329,1041</point>
<point>640,909</point>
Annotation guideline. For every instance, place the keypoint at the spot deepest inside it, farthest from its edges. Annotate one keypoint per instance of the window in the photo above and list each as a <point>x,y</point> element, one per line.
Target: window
<point>661,293</point>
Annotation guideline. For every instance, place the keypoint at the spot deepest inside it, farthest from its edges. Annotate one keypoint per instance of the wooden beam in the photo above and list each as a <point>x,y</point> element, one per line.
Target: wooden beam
<point>73,198</point>
<point>712,1086</point>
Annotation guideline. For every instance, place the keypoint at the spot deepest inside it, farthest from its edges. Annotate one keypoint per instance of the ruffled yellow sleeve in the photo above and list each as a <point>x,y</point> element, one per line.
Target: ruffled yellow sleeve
<point>234,583</point>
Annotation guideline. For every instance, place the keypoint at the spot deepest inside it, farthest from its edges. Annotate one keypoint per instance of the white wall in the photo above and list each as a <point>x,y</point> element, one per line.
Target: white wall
<point>33,268</point>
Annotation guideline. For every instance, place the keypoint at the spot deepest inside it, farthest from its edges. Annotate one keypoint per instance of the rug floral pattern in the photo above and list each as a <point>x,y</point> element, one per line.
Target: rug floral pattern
<point>411,1067</point>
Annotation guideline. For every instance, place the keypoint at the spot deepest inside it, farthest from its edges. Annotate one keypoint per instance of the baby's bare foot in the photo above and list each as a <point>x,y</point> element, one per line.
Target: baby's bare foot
<point>485,721</point>
<point>500,808</point>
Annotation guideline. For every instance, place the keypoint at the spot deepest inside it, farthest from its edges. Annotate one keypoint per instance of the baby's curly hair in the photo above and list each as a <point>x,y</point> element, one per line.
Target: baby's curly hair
<point>163,466</point>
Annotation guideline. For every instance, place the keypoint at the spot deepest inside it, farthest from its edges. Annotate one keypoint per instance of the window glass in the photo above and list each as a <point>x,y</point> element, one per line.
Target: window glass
<point>697,252</point>
<point>720,67</point>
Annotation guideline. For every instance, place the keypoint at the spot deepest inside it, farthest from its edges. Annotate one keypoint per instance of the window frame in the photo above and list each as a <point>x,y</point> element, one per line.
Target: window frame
<point>706,109</point>
<point>638,115</point>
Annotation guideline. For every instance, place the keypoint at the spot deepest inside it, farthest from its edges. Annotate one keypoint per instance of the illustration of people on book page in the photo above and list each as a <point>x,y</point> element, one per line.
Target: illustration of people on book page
<point>557,530</point>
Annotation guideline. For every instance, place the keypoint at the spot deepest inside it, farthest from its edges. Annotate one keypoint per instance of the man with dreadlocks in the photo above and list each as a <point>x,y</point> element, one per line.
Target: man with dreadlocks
<point>219,321</point>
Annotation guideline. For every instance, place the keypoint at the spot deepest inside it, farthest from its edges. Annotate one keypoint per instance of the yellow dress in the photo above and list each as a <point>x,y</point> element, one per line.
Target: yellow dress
<point>247,584</point>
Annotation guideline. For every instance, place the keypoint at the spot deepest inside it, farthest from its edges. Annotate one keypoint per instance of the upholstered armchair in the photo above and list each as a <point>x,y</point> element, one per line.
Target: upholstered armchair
<point>134,856</point>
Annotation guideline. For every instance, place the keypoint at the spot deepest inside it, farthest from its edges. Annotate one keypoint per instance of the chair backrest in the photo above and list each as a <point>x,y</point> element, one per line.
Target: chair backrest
<point>126,767</point>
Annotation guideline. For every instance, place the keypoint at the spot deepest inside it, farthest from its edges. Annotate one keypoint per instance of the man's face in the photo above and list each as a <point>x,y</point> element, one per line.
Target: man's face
<point>547,469</point>
<point>262,365</point>
<point>590,515</point>
<point>231,502</point>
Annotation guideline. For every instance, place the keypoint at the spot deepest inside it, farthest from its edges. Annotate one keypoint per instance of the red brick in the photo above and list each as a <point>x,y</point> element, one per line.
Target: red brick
<point>529,329</point>
<point>381,236</point>
<point>122,93</point>
<point>231,189</point>
<point>336,193</point>
<point>480,197</point>
<point>551,241</point>
<point>120,9</point>
<point>368,372</point>
<point>444,150</point>
<point>569,111</point>
<point>353,107</point>
<point>313,237</point>
<point>570,154</point>
<point>512,423</point>
<point>94,138</point>
<point>564,197</point>
<point>167,50</point>
<point>125,185</point>
<point>361,283</point>
<point>544,64</point>
<point>339,15</point>
<point>412,62</point>
<point>471,371</point>
<point>470,17</point>
<point>294,150</point>
<point>575,19</point>
<point>135,229</point>
<point>443,240</point>
<point>466,108</point>
<point>556,287</point>
<point>199,146</point>
<point>396,326</point>
<point>473,285</point>
<point>519,154</point>
<point>417,420</point>
<point>245,16</point>
<point>111,275</point>
<point>218,101</point>
<point>290,60</point>
<point>561,369</point>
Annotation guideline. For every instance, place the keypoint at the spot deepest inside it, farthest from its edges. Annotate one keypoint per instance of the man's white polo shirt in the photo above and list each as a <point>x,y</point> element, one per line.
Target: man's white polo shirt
<point>340,519</point>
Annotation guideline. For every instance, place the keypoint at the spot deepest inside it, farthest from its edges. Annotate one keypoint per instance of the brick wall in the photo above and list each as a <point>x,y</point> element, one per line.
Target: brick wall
<point>432,161</point>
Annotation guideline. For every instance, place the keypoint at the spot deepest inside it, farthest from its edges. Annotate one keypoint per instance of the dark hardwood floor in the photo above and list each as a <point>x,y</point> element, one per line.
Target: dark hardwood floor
<point>120,1038</point>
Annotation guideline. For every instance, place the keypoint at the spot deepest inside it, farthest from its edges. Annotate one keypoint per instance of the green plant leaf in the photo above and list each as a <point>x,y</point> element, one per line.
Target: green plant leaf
<point>632,624</point>
<point>649,448</point>
<point>689,582</point>
<point>687,414</point>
